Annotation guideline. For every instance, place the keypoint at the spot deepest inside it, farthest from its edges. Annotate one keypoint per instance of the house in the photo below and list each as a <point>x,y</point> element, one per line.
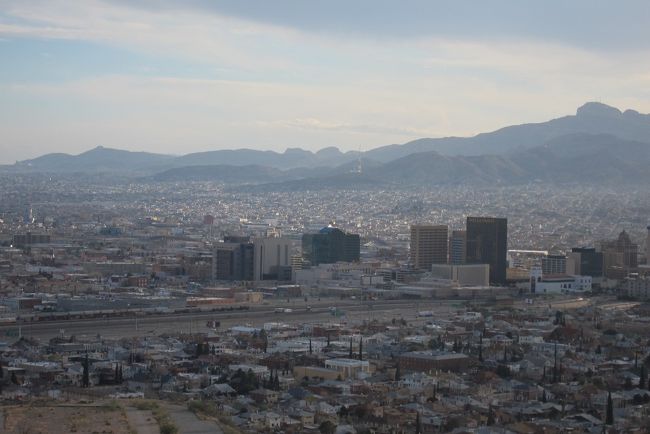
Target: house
<point>272,420</point>
<point>304,417</point>
<point>265,396</point>
<point>215,390</point>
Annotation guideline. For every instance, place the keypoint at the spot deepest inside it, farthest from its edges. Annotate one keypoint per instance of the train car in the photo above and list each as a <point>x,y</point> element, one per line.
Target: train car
<point>7,320</point>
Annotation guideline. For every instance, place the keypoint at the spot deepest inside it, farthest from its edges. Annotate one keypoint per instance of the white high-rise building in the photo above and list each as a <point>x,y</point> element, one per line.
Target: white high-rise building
<point>270,255</point>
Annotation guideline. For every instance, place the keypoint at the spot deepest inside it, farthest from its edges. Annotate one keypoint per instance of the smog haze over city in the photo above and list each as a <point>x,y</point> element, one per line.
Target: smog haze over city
<point>324,217</point>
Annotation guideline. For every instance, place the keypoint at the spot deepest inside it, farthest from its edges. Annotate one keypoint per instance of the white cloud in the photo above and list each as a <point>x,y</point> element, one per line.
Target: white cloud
<point>184,34</point>
<point>320,125</point>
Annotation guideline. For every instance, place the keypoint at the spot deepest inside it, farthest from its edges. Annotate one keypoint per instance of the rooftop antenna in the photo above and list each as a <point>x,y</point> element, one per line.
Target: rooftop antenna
<point>359,168</point>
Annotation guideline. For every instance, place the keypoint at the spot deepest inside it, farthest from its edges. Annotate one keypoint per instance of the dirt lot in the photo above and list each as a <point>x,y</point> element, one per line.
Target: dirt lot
<point>49,418</point>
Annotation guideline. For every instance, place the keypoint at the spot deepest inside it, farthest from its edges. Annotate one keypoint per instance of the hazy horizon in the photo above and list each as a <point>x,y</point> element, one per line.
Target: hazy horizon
<point>178,77</point>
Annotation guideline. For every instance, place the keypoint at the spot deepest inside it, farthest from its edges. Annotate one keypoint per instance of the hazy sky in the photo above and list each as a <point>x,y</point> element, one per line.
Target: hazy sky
<point>181,76</point>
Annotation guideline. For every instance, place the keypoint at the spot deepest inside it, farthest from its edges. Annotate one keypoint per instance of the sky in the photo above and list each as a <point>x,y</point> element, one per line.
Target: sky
<point>175,77</point>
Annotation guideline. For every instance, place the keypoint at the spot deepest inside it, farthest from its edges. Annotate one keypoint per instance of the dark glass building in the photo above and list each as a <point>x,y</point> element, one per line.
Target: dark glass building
<point>588,262</point>
<point>330,245</point>
<point>487,243</point>
<point>233,261</point>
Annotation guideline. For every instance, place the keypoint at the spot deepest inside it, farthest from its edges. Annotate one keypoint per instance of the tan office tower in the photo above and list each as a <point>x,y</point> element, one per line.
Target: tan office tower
<point>429,244</point>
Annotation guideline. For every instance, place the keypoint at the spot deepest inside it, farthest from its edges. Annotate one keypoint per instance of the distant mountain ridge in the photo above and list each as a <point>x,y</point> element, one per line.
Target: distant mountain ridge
<point>580,158</point>
<point>591,118</point>
<point>598,142</point>
<point>97,159</point>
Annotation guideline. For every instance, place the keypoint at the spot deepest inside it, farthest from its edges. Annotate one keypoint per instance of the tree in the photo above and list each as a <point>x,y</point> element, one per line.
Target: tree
<point>310,349</point>
<point>168,428</point>
<point>418,424</point>
<point>503,371</point>
<point>350,348</point>
<point>643,377</point>
<point>85,379</point>
<point>628,383</point>
<point>490,417</point>
<point>609,415</point>
<point>397,373</point>
<point>555,369</point>
<point>327,427</point>
<point>276,382</point>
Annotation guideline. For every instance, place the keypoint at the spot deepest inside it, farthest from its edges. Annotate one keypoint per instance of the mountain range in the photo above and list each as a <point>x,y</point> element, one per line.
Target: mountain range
<point>598,144</point>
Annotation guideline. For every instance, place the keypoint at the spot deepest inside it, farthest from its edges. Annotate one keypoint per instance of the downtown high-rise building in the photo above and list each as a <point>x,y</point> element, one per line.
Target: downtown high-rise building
<point>429,244</point>
<point>457,247</point>
<point>272,260</point>
<point>331,245</point>
<point>233,260</point>
<point>554,264</point>
<point>487,243</point>
<point>585,261</point>
<point>245,259</point>
<point>620,256</point>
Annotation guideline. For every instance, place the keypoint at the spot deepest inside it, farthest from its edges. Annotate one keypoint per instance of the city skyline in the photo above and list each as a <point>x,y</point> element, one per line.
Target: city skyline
<point>333,217</point>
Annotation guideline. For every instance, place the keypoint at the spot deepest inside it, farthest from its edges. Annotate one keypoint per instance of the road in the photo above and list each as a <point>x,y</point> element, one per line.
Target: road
<point>188,423</point>
<point>196,322</point>
<point>355,310</point>
<point>142,421</point>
